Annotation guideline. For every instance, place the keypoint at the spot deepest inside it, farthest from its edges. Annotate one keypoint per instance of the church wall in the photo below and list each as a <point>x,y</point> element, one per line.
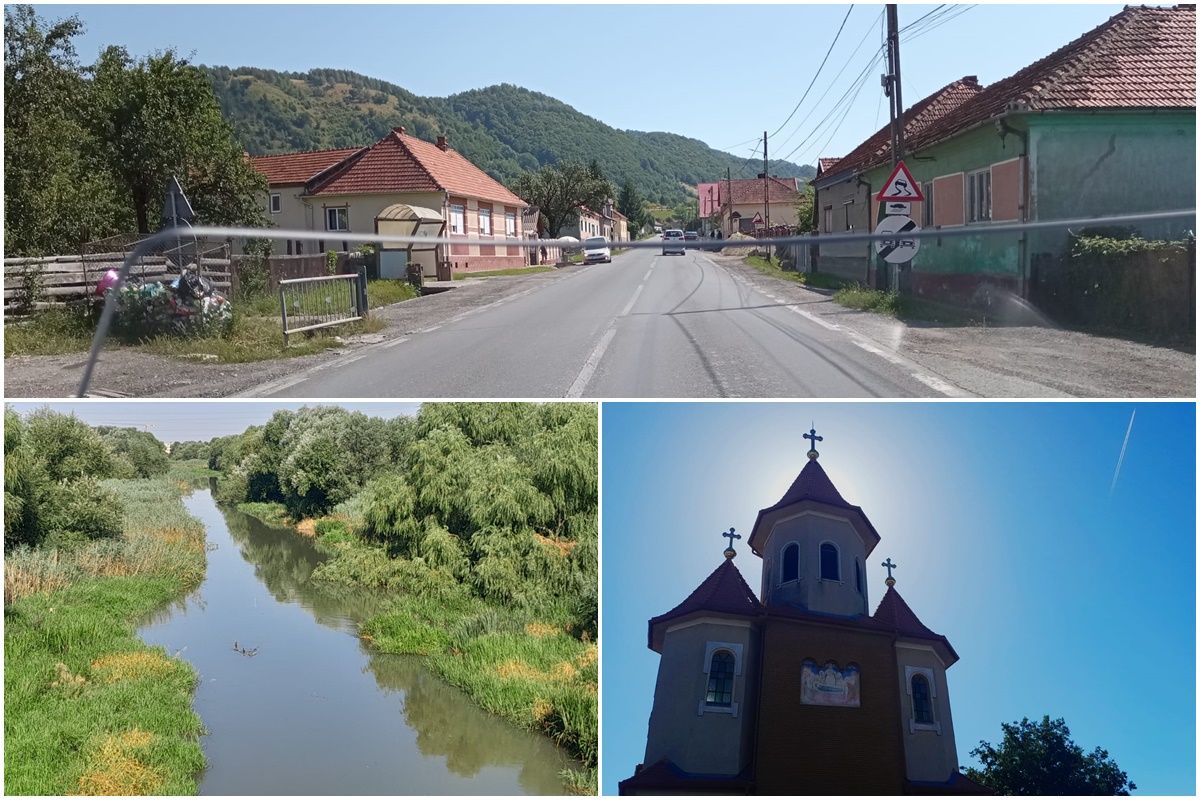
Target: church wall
<point>809,530</point>
<point>929,755</point>
<point>808,749</point>
<point>712,742</point>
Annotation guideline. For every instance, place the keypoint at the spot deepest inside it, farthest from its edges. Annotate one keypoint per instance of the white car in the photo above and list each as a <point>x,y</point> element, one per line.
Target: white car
<point>596,250</point>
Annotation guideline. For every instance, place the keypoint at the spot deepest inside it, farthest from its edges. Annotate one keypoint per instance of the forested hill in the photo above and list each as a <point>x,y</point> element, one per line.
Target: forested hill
<point>504,129</point>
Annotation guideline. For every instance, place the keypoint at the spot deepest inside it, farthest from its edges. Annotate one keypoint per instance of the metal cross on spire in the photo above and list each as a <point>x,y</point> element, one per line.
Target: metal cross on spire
<point>729,551</point>
<point>890,566</point>
<point>812,435</point>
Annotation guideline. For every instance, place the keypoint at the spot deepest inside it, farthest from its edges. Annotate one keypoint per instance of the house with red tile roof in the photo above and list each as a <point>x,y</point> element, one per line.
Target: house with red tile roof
<point>1104,125</point>
<point>781,691</point>
<point>742,205</point>
<point>344,190</point>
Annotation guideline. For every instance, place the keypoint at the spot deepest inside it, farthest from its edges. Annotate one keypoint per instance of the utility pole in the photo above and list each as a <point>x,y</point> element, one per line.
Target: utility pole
<point>766,189</point>
<point>892,84</point>
<point>729,185</point>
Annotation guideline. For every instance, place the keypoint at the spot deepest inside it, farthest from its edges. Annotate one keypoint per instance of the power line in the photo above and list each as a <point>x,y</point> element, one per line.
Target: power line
<point>854,88</point>
<point>800,124</point>
<point>818,73</point>
<point>918,20</point>
<point>952,15</point>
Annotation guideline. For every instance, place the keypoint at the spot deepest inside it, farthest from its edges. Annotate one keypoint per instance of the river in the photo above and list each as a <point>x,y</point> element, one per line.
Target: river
<point>314,710</point>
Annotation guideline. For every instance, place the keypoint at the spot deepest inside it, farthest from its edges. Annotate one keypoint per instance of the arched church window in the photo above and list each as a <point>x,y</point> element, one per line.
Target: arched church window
<point>720,679</point>
<point>791,562</point>
<point>858,580</point>
<point>831,569</point>
<point>922,709</point>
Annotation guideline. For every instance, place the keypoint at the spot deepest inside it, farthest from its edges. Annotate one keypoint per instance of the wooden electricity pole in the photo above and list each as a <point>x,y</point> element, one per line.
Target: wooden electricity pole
<point>766,189</point>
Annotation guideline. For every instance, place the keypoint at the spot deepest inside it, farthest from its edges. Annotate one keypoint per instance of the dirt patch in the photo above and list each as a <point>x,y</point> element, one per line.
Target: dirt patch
<point>1019,360</point>
<point>130,666</point>
<point>540,630</point>
<point>307,527</point>
<point>115,770</point>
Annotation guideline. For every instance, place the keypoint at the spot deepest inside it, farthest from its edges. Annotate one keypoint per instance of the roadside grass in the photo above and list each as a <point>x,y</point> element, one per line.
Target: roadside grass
<point>772,267</point>
<point>256,333</point>
<point>495,273</point>
<point>88,707</point>
<point>894,304</point>
<point>518,663</point>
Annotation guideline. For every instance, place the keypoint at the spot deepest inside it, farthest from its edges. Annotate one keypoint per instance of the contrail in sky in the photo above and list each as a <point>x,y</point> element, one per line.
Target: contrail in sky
<point>1123,446</point>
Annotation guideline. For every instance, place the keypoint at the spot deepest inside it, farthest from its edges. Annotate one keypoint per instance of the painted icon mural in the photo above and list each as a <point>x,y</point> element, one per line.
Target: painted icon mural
<point>828,685</point>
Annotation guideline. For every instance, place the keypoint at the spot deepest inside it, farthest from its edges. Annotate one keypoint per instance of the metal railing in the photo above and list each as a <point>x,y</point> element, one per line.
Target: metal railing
<point>306,304</point>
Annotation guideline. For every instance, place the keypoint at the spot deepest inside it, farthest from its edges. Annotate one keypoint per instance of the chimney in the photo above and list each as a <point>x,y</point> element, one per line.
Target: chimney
<point>399,130</point>
<point>441,143</point>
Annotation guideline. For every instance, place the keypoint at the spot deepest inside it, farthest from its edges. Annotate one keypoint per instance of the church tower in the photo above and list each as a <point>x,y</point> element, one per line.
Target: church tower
<point>800,690</point>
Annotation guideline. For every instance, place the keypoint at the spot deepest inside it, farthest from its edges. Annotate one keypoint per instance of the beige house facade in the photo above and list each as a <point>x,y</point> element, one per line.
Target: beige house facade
<point>341,192</point>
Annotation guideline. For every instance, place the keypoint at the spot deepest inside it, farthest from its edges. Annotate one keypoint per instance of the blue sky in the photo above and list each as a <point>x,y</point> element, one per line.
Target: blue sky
<point>196,421</point>
<point>1062,595</point>
<point>721,72</point>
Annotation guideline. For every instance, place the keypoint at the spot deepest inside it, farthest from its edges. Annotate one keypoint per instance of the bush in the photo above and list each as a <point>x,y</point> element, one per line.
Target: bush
<point>79,511</point>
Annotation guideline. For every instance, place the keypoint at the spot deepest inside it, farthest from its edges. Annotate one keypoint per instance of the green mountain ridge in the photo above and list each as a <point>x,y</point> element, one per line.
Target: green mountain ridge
<point>504,129</point>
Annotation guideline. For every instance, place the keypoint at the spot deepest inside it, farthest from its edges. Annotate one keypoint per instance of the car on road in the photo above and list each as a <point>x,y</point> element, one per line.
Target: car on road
<point>691,236</point>
<point>672,242</point>
<point>595,250</point>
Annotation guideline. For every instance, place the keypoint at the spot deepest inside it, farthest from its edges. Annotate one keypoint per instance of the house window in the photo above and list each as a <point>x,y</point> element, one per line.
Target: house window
<point>276,203</point>
<point>848,207</point>
<point>831,569</point>
<point>927,207</point>
<point>979,196</point>
<point>299,247</point>
<point>485,222</point>
<point>320,245</point>
<point>791,562</point>
<point>510,225</point>
<point>828,219</point>
<point>858,579</point>
<point>720,680</point>
<point>337,219</point>
<point>289,247</point>
<point>922,708</point>
<point>457,224</point>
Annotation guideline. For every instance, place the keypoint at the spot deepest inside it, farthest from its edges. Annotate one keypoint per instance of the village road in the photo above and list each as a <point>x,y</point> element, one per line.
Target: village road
<point>645,325</point>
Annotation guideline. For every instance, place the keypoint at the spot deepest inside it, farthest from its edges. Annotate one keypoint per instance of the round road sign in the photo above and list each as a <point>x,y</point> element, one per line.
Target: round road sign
<point>900,249</point>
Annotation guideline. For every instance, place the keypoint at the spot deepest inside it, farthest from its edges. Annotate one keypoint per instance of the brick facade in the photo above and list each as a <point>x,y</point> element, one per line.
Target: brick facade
<point>805,749</point>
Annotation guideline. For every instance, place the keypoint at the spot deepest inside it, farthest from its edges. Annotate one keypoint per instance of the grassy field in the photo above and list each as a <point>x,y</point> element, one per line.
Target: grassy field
<point>894,304</point>
<point>88,707</point>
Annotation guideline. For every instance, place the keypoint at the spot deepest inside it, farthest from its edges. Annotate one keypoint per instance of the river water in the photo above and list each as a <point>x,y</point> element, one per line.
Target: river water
<point>314,710</point>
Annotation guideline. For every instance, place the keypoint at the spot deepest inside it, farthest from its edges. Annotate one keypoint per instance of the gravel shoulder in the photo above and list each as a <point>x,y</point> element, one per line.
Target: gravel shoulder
<point>1020,360</point>
<point>129,372</point>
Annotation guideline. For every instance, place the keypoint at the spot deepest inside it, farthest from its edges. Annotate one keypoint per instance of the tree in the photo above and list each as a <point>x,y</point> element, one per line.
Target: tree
<point>54,193</point>
<point>560,190</point>
<point>140,451</point>
<point>158,118</point>
<point>805,221</point>
<point>1040,758</point>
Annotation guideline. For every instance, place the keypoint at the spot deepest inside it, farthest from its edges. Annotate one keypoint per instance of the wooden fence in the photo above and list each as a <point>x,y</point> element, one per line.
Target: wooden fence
<point>57,281</point>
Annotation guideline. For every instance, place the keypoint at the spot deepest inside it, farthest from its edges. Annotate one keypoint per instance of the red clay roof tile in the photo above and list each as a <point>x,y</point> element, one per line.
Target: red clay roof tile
<point>291,168</point>
<point>1143,57</point>
<point>750,192</point>
<point>894,613</point>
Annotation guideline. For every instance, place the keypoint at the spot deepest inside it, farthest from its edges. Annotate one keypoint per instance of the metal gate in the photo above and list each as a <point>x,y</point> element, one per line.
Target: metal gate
<point>306,304</point>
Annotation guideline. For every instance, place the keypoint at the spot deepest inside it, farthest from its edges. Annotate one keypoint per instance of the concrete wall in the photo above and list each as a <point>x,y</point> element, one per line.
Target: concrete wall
<point>1106,164</point>
<point>713,742</point>
<point>929,755</point>
<point>809,530</point>
<point>848,202</point>
<point>816,750</point>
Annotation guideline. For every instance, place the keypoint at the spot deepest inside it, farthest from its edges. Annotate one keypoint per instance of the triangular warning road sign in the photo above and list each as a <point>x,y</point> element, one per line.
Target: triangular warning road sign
<point>758,220</point>
<point>900,187</point>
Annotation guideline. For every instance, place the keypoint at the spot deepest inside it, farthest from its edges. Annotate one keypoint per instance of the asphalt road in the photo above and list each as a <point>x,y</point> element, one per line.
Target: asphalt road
<point>645,325</point>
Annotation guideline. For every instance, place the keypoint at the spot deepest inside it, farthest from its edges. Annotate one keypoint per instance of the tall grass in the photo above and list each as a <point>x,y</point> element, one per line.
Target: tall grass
<point>88,707</point>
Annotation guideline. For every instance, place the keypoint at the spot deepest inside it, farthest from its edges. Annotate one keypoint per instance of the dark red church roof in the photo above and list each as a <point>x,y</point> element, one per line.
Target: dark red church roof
<point>665,777</point>
<point>723,592</point>
<point>895,614</point>
<point>813,484</point>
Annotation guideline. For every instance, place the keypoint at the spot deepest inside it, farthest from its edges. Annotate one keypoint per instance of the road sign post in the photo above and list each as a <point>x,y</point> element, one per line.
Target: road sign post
<point>895,199</point>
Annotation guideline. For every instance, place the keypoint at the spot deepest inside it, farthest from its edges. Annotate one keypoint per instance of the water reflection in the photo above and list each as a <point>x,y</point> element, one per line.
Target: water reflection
<point>315,711</point>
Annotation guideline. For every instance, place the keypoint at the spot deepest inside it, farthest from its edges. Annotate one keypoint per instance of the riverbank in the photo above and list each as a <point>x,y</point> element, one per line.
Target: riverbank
<point>88,707</point>
<point>529,666</point>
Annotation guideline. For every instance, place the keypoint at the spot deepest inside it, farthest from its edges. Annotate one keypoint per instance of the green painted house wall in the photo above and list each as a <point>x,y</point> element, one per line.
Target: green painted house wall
<point>1078,165</point>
